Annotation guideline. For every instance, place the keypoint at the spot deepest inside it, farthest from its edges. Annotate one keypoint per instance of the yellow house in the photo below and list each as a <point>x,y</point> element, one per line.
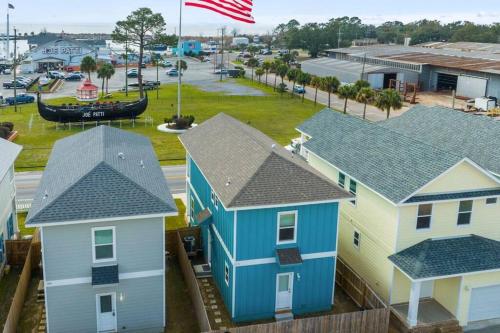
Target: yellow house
<point>424,229</point>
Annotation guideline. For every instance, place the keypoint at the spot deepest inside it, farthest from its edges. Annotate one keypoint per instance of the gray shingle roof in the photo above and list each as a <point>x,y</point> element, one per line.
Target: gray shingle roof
<point>247,168</point>
<point>105,275</point>
<point>288,256</point>
<point>101,173</point>
<point>466,135</point>
<point>445,257</point>
<point>8,154</point>
<point>388,162</point>
<point>454,196</point>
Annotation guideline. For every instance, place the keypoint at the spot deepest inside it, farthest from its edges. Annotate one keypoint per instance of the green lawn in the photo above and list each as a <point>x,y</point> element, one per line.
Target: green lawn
<point>177,222</point>
<point>21,219</point>
<point>275,115</point>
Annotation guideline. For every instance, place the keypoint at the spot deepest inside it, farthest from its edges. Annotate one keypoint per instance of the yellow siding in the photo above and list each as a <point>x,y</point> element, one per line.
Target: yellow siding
<point>400,288</point>
<point>470,282</point>
<point>485,222</point>
<point>447,293</point>
<point>376,220</point>
<point>463,177</point>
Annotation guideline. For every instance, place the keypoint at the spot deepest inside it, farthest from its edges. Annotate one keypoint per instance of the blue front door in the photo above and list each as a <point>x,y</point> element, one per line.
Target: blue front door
<point>10,227</point>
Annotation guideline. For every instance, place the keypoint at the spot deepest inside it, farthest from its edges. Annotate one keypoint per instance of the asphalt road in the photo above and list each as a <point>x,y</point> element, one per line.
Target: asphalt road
<point>27,182</point>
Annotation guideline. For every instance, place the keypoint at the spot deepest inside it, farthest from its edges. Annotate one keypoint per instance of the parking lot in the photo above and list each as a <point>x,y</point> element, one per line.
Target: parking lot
<point>197,73</point>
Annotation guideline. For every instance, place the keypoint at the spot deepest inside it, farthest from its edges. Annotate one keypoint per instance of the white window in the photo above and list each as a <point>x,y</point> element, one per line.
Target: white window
<point>356,241</point>
<point>287,227</point>
<point>464,212</point>
<point>216,202</point>
<point>491,201</point>
<point>353,189</point>
<point>424,216</point>
<point>226,273</point>
<point>341,180</point>
<point>212,196</point>
<point>188,166</point>
<point>103,244</point>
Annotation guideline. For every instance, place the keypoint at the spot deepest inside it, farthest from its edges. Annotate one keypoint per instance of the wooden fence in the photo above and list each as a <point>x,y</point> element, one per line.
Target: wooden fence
<point>356,287</point>
<point>192,283</point>
<point>17,251</point>
<point>30,263</point>
<point>372,321</point>
<point>171,238</point>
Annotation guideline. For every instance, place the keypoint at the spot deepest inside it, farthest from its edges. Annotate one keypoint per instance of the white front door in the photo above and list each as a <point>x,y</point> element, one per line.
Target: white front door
<point>284,291</point>
<point>106,312</point>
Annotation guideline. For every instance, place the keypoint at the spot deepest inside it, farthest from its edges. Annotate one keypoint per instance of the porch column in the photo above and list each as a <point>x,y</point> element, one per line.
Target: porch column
<point>413,304</point>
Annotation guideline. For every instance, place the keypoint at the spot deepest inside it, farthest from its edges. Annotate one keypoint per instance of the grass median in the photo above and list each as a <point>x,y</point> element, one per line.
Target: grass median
<point>275,115</point>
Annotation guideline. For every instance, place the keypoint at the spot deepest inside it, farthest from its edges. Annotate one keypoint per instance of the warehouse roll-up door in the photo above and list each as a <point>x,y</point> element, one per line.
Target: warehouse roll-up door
<point>376,80</point>
<point>484,303</point>
<point>472,87</point>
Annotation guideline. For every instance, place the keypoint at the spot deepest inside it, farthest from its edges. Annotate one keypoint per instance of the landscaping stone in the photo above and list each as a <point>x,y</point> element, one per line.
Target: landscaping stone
<point>214,307</point>
<point>218,320</point>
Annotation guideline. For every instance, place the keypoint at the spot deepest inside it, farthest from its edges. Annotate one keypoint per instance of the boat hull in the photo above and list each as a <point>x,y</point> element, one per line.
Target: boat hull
<point>87,113</point>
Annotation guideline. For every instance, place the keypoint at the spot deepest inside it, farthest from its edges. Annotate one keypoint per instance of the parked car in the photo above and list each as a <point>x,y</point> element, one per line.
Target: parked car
<point>298,89</point>
<point>79,73</point>
<point>143,65</point>
<point>7,71</point>
<point>166,63</point>
<point>73,77</point>
<point>11,84</point>
<point>20,99</point>
<point>56,75</point>
<point>266,52</point>
<point>172,72</point>
<point>133,73</point>
<point>221,71</point>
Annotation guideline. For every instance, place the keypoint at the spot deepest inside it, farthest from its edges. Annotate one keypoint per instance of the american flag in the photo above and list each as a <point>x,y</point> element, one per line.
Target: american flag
<point>240,10</point>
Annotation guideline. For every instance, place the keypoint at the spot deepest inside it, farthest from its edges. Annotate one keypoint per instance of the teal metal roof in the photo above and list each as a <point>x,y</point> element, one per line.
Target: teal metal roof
<point>392,164</point>
<point>447,257</point>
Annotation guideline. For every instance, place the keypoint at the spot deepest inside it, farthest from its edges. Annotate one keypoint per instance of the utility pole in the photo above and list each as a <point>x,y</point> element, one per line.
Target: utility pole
<point>14,67</point>
<point>340,37</point>
<point>180,50</point>
<point>8,33</point>
<point>223,29</point>
<point>126,63</point>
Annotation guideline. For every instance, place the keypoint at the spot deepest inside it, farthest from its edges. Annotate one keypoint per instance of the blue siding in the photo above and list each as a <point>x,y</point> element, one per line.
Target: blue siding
<point>256,288</point>
<point>219,258</point>
<point>222,219</point>
<point>316,230</point>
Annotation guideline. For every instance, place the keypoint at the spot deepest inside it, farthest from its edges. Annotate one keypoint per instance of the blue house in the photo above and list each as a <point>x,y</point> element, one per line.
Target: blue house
<point>269,221</point>
<point>189,46</point>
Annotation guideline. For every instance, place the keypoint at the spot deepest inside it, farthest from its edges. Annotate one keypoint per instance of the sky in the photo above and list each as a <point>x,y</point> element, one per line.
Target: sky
<point>99,15</point>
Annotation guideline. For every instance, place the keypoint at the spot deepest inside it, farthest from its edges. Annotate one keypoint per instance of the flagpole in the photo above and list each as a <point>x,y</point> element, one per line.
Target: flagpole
<point>8,34</point>
<point>179,60</point>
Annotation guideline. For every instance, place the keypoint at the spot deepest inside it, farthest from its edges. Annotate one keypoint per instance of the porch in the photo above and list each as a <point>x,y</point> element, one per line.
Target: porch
<point>431,314</point>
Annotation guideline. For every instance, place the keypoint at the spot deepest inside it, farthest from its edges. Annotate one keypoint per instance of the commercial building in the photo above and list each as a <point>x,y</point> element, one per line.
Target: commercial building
<point>190,47</point>
<point>60,53</point>
<point>470,73</point>
<point>240,41</point>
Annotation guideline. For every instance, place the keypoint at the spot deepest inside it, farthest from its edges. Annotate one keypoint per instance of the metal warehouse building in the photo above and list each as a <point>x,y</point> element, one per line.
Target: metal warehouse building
<point>470,73</point>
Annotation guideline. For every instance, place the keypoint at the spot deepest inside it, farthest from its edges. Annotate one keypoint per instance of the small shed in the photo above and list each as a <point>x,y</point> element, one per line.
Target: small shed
<point>87,92</point>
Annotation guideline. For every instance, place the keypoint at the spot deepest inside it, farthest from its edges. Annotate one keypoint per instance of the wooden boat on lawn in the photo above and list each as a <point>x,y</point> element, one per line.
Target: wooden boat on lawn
<point>67,113</point>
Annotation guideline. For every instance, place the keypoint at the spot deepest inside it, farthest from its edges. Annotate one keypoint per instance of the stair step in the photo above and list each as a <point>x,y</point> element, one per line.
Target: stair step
<point>283,316</point>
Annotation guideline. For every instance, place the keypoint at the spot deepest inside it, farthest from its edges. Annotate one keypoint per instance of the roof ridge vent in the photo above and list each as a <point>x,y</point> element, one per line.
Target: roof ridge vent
<point>141,163</point>
<point>121,155</point>
<point>45,195</point>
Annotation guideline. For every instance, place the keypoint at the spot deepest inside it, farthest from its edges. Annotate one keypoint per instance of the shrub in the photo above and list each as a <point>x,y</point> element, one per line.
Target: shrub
<point>282,88</point>
<point>184,122</point>
<point>7,124</point>
<point>4,132</point>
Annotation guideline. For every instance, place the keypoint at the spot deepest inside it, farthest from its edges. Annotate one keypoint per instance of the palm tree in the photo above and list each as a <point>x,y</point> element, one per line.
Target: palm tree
<point>282,70</point>
<point>365,95</point>
<point>360,84</point>
<point>316,83</point>
<point>110,71</point>
<point>330,84</point>
<point>293,75</point>
<point>101,74</point>
<point>347,91</point>
<point>304,79</point>
<point>266,66</point>
<point>259,72</point>
<point>252,63</point>
<point>184,66</point>
<point>274,68</point>
<point>88,65</point>
<point>387,100</point>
